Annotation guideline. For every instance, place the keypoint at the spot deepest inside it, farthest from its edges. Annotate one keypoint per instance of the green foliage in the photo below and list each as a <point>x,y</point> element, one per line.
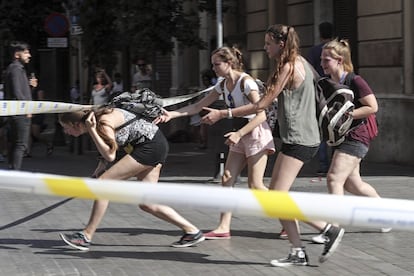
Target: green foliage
<point>99,36</point>
<point>24,20</point>
<point>145,26</point>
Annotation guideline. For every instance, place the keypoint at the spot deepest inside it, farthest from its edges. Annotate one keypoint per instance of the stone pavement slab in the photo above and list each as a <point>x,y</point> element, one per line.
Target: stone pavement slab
<point>131,242</point>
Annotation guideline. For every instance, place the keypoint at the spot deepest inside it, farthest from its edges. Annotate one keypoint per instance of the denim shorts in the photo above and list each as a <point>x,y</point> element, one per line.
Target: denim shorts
<point>353,147</point>
<point>300,152</point>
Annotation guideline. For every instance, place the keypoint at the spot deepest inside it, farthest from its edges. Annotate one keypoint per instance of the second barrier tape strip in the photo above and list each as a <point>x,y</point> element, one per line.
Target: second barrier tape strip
<point>346,210</point>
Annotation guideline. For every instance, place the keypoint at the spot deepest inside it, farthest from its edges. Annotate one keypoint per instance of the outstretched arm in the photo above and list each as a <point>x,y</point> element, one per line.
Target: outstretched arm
<point>215,115</point>
<point>189,109</point>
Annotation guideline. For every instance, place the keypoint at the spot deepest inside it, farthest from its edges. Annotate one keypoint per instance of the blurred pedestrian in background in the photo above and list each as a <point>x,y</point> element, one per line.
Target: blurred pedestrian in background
<point>18,87</point>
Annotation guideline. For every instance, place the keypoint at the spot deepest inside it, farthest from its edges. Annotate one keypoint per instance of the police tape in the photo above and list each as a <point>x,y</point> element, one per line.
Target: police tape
<point>183,98</point>
<point>8,108</point>
<point>16,107</point>
<point>346,210</point>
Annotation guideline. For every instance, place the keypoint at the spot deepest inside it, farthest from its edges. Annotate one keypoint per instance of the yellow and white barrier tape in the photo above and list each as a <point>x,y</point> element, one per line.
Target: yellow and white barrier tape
<point>346,210</point>
<point>9,108</point>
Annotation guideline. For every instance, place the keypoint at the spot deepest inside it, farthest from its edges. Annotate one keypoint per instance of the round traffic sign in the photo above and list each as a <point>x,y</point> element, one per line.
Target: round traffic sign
<point>56,24</point>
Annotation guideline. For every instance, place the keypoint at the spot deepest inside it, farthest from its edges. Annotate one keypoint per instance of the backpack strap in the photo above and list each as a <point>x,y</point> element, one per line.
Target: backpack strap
<point>349,79</point>
<point>243,80</point>
<point>241,83</point>
<point>222,85</point>
<point>137,116</point>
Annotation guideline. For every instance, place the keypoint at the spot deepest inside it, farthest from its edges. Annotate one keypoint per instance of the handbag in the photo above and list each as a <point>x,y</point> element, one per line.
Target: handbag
<point>238,122</point>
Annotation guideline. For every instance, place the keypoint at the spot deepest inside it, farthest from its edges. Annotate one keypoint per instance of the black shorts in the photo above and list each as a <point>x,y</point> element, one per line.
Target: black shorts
<point>302,153</point>
<point>151,152</point>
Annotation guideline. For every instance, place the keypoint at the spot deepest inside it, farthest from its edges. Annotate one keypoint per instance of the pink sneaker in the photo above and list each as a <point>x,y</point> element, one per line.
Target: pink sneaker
<point>217,236</point>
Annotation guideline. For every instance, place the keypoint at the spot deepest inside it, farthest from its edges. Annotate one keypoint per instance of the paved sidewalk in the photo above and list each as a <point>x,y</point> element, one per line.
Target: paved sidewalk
<point>131,242</point>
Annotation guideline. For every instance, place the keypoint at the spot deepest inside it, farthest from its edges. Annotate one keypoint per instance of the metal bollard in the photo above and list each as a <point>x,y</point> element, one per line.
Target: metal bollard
<point>221,160</point>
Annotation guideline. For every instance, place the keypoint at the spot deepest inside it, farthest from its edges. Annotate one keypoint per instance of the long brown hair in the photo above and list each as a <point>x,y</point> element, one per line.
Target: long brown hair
<point>288,54</point>
<point>80,117</point>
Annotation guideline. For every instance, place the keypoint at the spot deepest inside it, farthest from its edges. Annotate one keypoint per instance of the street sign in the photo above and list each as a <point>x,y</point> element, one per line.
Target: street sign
<point>57,42</point>
<point>56,24</point>
<point>76,30</point>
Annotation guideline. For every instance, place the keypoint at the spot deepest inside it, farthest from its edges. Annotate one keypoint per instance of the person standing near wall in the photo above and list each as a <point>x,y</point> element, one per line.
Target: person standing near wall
<point>75,93</point>
<point>18,87</point>
<point>314,58</point>
<point>143,77</point>
<point>118,86</point>
<point>38,126</point>
<point>3,122</point>
<point>102,88</point>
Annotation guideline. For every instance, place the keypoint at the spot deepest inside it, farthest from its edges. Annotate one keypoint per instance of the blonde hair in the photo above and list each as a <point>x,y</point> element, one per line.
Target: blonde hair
<point>340,49</point>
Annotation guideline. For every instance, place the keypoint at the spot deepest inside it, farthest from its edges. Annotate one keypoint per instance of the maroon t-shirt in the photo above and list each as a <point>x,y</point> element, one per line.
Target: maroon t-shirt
<point>361,89</point>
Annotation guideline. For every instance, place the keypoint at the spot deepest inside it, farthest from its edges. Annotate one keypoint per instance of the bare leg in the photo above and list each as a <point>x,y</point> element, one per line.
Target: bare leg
<point>355,185</point>
<point>256,166</point>
<point>120,170</point>
<point>98,211</point>
<point>234,164</point>
<point>285,171</point>
<point>342,165</point>
<point>164,212</point>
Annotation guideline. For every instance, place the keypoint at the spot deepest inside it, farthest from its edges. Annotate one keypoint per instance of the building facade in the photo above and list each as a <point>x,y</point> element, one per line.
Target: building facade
<point>381,38</point>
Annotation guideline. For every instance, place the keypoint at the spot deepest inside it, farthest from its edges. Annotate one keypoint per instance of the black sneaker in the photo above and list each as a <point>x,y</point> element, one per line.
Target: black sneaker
<point>76,240</point>
<point>334,236</point>
<point>297,256</point>
<point>189,240</point>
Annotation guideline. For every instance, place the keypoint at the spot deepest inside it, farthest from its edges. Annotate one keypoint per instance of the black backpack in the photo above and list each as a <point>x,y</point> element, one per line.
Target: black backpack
<point>334,102</point>
<point>143,102</point>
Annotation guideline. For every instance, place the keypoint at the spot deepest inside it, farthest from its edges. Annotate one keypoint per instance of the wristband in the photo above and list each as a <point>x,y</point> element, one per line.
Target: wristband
<point>229,114</point>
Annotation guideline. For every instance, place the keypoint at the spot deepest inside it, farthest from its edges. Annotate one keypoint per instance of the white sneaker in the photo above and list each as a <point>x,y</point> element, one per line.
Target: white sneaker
<point>320,239</point>
<point>385,230</point>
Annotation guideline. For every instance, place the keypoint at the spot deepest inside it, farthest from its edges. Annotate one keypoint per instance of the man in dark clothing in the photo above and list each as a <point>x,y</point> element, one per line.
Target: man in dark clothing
<point>18,87</point>
<point>314,58</point>
<point>314,55</point>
